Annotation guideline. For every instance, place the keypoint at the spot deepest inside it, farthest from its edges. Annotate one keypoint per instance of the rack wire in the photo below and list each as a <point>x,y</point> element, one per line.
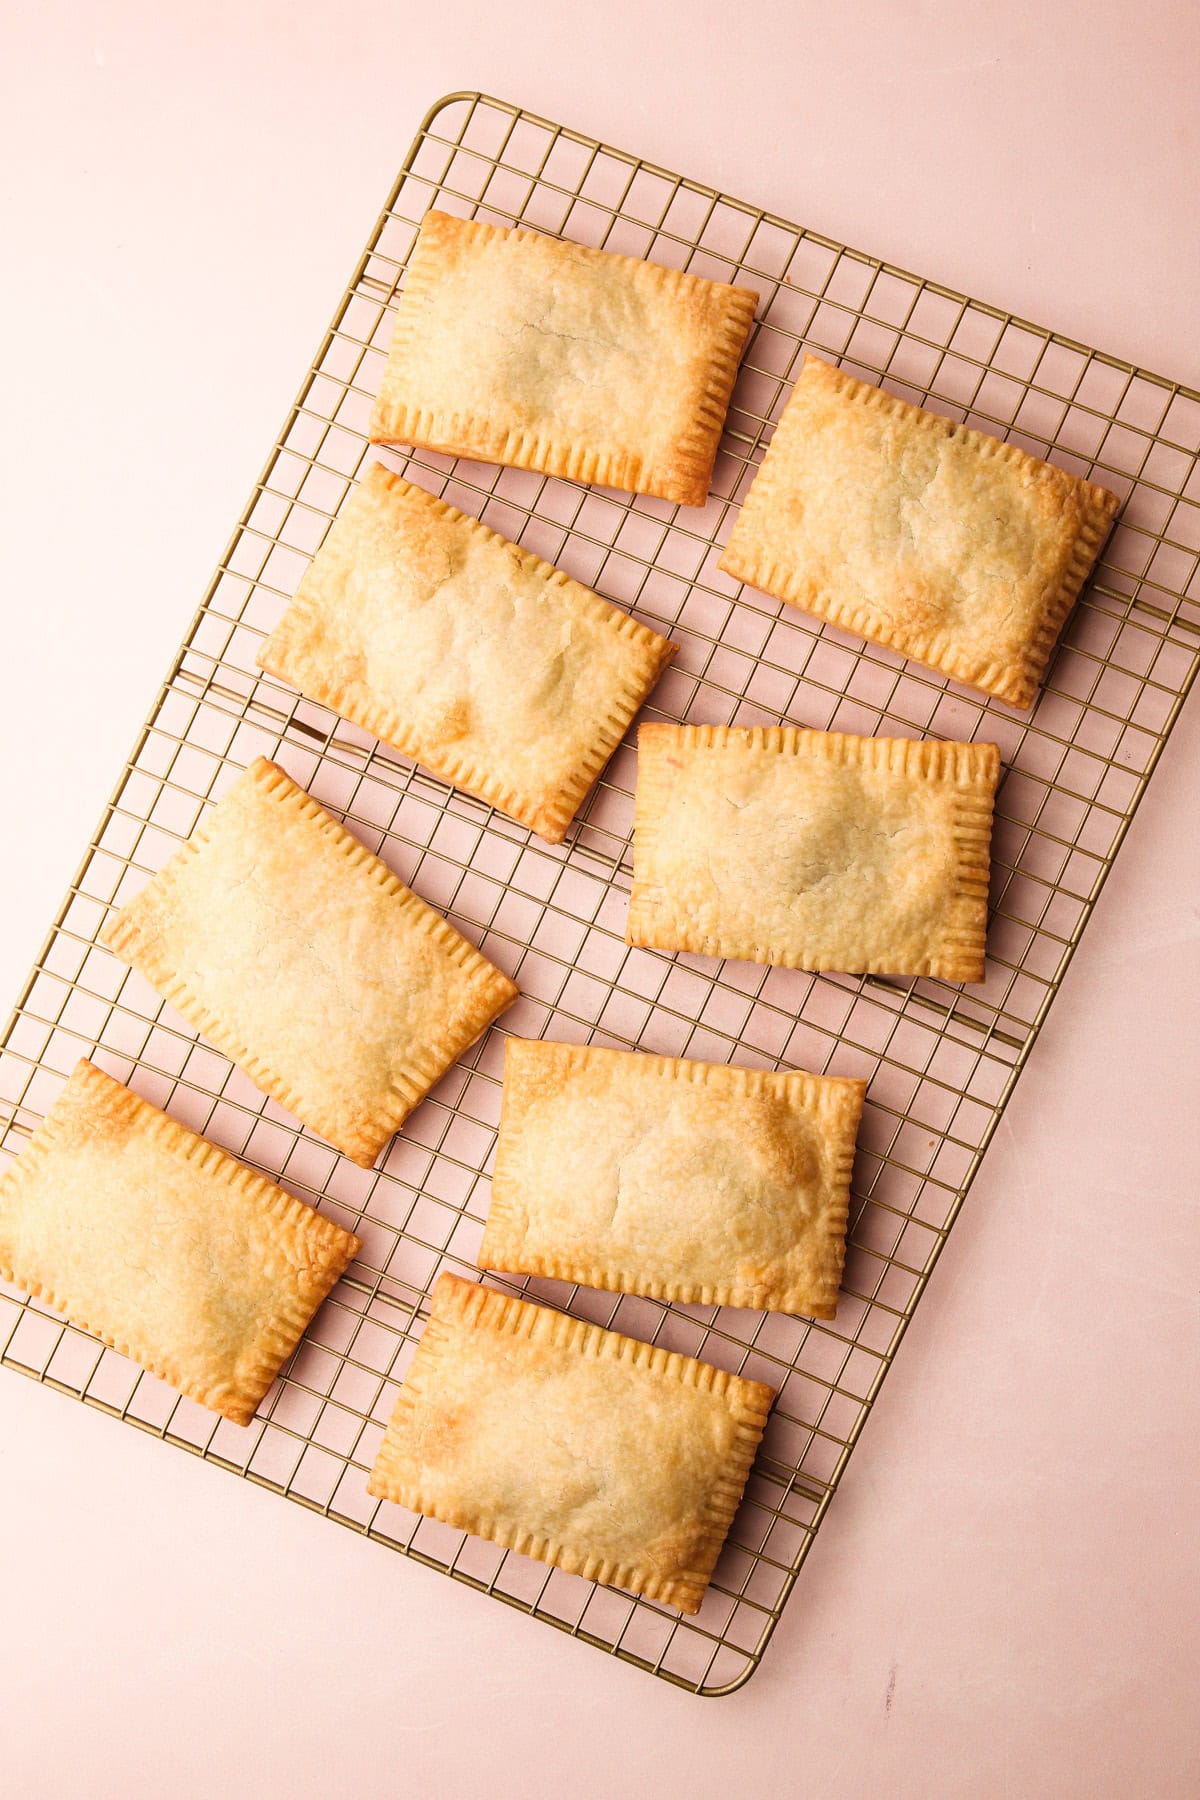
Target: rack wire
<point>941,1061</point>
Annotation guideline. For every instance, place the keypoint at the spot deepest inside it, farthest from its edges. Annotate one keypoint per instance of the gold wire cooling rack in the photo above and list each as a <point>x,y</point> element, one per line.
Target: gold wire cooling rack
<point>941,1062</point>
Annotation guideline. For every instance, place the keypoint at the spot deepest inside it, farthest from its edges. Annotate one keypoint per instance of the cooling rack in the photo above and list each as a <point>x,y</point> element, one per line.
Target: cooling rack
<point>941,1061</point>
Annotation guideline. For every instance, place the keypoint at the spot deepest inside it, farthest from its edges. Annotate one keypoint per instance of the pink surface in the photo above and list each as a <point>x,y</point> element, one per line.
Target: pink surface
<point>1004,1597</point>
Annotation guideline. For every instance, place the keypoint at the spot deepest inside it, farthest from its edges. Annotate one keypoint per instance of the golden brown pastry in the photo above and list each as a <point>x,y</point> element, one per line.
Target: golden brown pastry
<point>919,533</point>
<point>813,849</point>
<point>685,1181</point>
<point>515,348</point>
<point>158,1243</point>
<point>620,1462</point>
<point>492,668</point>
<point>305,960</point>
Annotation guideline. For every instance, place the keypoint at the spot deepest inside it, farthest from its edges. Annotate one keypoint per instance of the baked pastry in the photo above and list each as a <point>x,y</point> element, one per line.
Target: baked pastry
<point>686,1181</point>
<point>949,546</point>
<point>492,668</point>
<point>602,1455</point>
<point>813,849</point>
<point>515,348</point>
<point>142,1233</point>
<point>304,959</point>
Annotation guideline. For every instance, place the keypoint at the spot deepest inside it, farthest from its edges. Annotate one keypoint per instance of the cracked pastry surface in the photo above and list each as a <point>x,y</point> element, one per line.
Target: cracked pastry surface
<point>907,528</point>
<point>516,348</point>
<point>614,1459</point>
<point>160,1244</point>
<point>685,1181</point>
<point>813,849</point>
<point>473,656</point>
<point>305,960</point>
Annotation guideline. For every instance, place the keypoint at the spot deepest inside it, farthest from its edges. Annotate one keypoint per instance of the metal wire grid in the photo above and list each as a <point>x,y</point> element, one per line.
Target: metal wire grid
<point>941,1063</point>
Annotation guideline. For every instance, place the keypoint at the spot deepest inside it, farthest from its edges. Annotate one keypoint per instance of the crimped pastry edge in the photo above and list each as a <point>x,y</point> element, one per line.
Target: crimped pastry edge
<point>682,478</point>
<point>974,768</point>
<point>333,1248</point>
<point>459,1305</point>
<point>837,1099</point>
<point>1014,683</point>
<point>125,936</point>
<point>548,815</point>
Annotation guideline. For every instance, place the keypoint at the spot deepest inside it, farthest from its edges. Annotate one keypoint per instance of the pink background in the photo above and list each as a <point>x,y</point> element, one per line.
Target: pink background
<point>1004,1597</point>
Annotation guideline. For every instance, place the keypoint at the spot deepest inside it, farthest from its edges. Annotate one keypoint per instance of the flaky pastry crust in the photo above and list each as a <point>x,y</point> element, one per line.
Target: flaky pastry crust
<point>686,1181</point>
<point>605,1456</point>
<point>907,528</point>
<point>465,652</point>
<point>163,1246</point>
<point>813,849</point>
<point>308,963</point>
<point>516,348</point>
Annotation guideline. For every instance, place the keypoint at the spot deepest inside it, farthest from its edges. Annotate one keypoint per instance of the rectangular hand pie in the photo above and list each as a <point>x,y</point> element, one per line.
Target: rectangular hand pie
<point>685,1181</point>
<point>158,1243</point>
<point>492,668</point>
<point>515,348</point>
<point>813,849</point>
<point>949,546</point>
<point>620,1462</point>
<point>305,960</point>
